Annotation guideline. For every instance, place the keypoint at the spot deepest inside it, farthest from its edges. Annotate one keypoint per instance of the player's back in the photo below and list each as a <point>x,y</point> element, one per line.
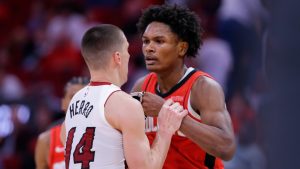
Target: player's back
<point>91,142</point>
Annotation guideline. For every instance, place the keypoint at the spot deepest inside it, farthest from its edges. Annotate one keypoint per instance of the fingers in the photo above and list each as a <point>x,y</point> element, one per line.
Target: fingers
<point>184,113</point>
<point>153,103</point>
<point>168,103</point>
<point>175,106</point>
<point>138,96</point>
<point>171,116</point>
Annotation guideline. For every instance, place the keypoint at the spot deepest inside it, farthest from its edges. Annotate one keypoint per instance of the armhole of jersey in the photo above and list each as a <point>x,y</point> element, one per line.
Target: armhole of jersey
<point>104,117</point>
<point>192,113</point>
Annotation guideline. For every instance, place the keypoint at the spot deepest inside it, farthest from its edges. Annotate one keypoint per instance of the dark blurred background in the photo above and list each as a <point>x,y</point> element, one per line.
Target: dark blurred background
<point>249,47</point>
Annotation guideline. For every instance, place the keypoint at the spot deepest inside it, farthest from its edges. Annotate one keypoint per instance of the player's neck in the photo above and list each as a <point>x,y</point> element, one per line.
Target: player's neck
<point>105,76</point>
<point>169,79</point>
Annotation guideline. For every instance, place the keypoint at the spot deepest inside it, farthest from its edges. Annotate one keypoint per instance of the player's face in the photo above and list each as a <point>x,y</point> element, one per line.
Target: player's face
<point>69,93</point>
<point>125,59</point>
<point>160,47</point>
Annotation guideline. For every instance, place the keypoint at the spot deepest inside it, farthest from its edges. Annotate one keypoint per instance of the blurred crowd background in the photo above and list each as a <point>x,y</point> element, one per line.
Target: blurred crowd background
<point>40,52</point>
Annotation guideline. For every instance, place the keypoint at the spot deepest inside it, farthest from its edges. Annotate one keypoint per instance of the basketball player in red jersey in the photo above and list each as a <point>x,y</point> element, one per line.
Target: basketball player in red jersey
<point>49,151</point>
<point>205,138</point>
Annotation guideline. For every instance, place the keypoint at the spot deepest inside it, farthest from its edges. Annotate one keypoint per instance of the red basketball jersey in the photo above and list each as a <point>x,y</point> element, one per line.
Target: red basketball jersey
<point>56,151</point>
<point>183,153</point>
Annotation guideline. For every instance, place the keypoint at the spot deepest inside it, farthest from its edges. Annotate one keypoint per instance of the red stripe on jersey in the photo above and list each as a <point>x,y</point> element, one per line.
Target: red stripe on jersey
<point>92,83</point>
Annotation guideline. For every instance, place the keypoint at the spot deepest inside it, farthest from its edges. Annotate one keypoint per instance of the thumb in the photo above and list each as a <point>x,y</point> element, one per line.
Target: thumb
<point>183,113</point>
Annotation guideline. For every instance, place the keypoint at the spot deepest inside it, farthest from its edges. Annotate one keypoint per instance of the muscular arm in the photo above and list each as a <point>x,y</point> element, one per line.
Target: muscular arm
<point>128,117</point>
<point>215,134</point>
<point>42,150</point>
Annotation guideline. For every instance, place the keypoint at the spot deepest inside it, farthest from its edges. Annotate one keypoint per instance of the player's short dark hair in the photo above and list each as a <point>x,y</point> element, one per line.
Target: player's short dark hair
<point>181,20</point>
<point>99,40</point>
<point>101,37</point>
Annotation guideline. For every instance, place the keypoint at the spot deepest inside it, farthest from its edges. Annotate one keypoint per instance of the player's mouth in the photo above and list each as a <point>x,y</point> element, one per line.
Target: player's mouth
<point>149,60</point>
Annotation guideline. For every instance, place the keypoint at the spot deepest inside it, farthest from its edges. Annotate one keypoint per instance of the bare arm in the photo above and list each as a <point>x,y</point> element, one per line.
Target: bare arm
<point>215,134</point>
<point>42,150</point>
<point>131,123</point>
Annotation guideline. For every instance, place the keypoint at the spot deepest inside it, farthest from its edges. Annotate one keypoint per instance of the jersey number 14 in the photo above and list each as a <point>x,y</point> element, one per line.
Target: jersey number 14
<point>82,153</point>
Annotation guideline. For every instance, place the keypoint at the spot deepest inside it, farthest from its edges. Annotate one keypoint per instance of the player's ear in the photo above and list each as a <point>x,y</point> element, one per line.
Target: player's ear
<point>117,58</point>
<point>183,47</point>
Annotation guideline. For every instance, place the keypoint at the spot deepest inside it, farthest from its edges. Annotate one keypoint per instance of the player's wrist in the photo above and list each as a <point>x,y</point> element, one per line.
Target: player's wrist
<point>165,133</point>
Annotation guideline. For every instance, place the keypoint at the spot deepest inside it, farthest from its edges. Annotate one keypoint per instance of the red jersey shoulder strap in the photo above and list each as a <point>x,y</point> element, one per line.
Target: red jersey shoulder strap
<point>148,81</point>
<point>189,86</point>
<point>199,73</point>
<point>191,82</point>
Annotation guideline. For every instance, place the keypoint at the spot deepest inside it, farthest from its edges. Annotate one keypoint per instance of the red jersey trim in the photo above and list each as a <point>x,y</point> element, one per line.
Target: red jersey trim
<point>110,95</point>
<point>193,78</point>
<point>92,83</point>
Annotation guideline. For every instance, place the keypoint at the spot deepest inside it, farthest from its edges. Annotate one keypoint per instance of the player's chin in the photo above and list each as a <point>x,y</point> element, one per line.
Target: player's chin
<point>152,67</point>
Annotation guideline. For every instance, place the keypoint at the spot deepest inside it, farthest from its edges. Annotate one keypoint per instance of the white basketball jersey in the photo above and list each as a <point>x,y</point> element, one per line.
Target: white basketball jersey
<point>91,142</point>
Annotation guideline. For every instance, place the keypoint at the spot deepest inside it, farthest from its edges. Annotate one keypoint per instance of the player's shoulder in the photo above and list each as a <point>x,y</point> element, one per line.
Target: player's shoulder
<point>205,82</point>
<point>205,91</point>
<point>123,105</point>
<point>45,136</point>
<point>121,109</point>
<point>123,99</point>
<point>137,87</point>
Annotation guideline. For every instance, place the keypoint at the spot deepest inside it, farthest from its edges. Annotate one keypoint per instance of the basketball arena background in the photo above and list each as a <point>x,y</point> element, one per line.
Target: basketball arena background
<point>250,46</point>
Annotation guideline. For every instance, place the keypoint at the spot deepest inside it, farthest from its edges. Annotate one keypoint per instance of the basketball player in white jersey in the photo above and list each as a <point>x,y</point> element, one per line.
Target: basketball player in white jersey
<point>104,125</point>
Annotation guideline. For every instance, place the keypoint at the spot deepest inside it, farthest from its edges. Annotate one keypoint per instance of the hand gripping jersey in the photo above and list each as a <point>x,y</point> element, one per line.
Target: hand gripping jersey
<point>183,153</point>
<point>56,151</point>
<point>91,142</point>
